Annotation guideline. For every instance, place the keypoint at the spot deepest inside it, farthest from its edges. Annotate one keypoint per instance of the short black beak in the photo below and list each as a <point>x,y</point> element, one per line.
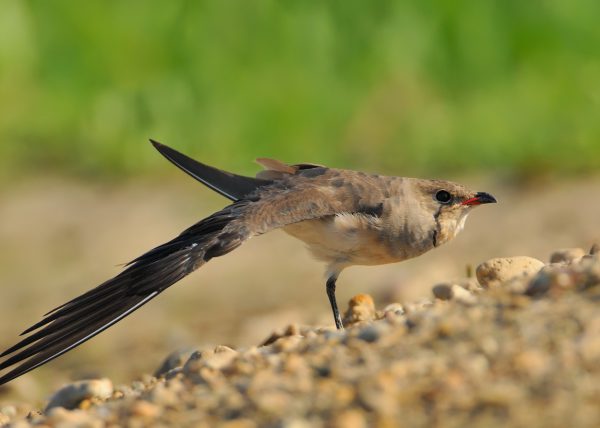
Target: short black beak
<point>480,198</point>
<point>485,198</point>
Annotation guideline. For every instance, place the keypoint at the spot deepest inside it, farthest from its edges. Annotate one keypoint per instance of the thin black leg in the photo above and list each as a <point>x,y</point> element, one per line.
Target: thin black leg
<point>331,294</point>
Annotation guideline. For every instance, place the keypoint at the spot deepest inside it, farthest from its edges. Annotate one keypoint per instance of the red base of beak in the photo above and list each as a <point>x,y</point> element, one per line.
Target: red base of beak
<point>480,198</point>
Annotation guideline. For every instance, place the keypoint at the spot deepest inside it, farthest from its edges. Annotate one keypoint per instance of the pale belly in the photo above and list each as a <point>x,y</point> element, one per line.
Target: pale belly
<point>344,240</point>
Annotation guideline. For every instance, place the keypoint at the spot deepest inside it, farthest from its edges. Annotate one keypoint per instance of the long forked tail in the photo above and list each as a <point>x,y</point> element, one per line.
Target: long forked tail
<point>82,318</point>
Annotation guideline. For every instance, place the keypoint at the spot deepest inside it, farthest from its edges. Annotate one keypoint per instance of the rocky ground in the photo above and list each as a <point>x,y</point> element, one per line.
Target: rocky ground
<point>517,344</point>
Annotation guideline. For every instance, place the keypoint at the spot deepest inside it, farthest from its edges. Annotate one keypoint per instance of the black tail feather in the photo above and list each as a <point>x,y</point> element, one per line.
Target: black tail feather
<point>82,318</point>
<point>232,186</point>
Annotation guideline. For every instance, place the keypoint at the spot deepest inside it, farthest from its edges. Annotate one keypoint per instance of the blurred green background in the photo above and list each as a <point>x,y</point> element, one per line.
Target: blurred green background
<point>407,87</point>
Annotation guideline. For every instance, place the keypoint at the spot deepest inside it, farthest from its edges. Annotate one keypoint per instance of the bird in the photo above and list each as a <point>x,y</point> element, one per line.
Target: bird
<point>344,217</point>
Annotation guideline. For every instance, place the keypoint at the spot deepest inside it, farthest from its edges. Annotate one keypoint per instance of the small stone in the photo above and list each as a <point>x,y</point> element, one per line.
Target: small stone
<point>532,363</point>
<point>516,285</point>
<point>395,308</point>
<point>550,279</point>
<point>391,313</point>
<point>222,357</point>
<point>123,391</point>
<point>138,386</point>
<point>287,343</point>
<point>350,418</point>
<point>61,417</point>
<point>567,255</point>
<point>290,330</point>
<point>71,395</point>
<point>10,411</point>
<point>174,360</point>
<point>471,284</point>
<point>196,361</point>
<point>34,416</point>
<point>462,295</point>
<point>369,334</point>
<point>162,396</point>
<point>272,401</point>
<point>595,249</point>
<point>360,308</point>
<point>173,373</point>
<point>499,270</point>
<point>442,291</point>
<point>145,410</point>
<point>205,367</point>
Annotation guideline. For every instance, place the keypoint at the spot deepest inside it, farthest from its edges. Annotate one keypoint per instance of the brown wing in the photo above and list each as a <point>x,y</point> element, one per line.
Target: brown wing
<point>315,193</point>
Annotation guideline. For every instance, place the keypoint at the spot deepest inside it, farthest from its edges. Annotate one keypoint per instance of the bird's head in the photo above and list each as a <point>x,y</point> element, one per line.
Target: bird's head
<point>449,204</point>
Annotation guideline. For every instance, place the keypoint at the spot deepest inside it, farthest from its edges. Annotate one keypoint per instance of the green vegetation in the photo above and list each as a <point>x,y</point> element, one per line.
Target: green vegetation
<point>418,87</point>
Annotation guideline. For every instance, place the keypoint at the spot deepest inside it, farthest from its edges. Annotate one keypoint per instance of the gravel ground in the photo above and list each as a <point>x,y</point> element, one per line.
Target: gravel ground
<point>516,346</point>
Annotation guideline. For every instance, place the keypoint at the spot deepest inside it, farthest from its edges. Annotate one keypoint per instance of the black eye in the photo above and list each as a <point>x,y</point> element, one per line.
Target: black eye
<point>443,196</point>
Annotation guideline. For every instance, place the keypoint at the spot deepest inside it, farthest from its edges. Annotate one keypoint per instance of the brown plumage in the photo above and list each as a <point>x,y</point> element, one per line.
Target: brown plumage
<point>345,217</point>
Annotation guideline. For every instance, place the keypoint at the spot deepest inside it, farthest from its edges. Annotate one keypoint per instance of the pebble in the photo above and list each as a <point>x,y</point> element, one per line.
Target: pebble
<point>61,417</point>
<point>287,343</point>
<point>163,395</point>
<point>145,410</point>
<point>173,361</point>
<point>350,419</point>
<point>71,395</point>
<point>453,292</point>
<point>9,411</point>
<point>470,283</point>
<point>221,358</point>
<point>290,330</point>
<point>463,295</point>
<point>567,255</point>
<point>442,291</point>
<point>499,270</point>
<point>360,308</point>
<point>393,308</point>
<point>557,279</point>
<point>549,279</point>
<point>34,416</point>
<point>369,334</point>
